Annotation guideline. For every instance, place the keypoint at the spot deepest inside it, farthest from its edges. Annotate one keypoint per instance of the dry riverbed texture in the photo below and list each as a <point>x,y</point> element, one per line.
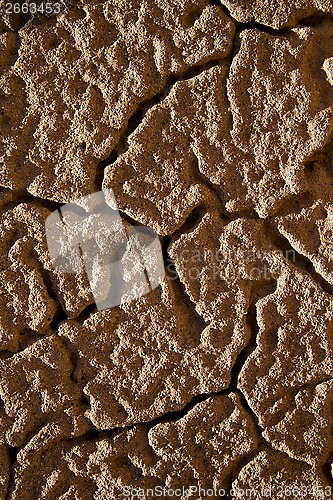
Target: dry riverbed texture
<point>212,122</point>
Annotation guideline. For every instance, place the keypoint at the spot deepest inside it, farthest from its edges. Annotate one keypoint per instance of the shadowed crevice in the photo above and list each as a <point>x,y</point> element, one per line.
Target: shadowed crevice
<point>94,435</point>
<point>251,25</point>
<point>327,469</point>
<point>174,416</point>
<point>127,218</point>
<point>171,416</point>
<point>87,312</point>
<point>302,262</point>
<point>323,158</point>
<point>99,177</point>
<point>23,196</point>
<point>58,318</point>
<point>192,221</point>
<point>138,116</point>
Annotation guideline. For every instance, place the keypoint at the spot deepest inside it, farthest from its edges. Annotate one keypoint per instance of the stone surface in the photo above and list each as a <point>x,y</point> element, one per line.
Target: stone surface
<point>25,300</point>
<point>287,378</point>
<point>40,378</point>
<point>280,14</point>
<point>30,286</point>
<point>249,143</point>
<point>293,351</point>
<point>281,103</point>
<point>309,228</point>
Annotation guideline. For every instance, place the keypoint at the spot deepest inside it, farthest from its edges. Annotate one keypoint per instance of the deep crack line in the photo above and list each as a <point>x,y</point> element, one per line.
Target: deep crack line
<point>307,22</point>
<point>12,452</point>
<point>139,115</point>
<point>23,196</point>
<point>301,261</point>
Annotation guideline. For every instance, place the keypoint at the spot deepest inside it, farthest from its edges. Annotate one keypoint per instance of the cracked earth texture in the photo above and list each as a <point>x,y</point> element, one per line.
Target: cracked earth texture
<point>212,122</point>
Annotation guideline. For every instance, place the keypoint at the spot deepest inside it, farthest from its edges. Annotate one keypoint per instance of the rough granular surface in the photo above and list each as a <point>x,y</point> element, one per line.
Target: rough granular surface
<point>211,122</point>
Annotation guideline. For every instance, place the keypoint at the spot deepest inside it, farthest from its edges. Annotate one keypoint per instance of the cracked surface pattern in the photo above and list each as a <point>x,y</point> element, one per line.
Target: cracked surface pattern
<point>170,454</point>
<point>280,14</point>
<point>130,378</point>
<point>273,472</point>
<point>211,122</point>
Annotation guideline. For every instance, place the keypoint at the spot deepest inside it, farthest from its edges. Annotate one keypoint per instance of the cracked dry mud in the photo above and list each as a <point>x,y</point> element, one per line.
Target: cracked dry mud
<point>212,122</point>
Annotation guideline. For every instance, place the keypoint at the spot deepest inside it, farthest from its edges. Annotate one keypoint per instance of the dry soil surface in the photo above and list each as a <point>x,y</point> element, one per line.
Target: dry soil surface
<point>212,122</point>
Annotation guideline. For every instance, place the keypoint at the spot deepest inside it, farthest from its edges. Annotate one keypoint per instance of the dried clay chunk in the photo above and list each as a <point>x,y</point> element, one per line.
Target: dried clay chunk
<point>279,14</point>
<point>242,133</point>
<point>30,286</point>
<point>274,475</point>
<point>287,379</point>
<point>170,454</point>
